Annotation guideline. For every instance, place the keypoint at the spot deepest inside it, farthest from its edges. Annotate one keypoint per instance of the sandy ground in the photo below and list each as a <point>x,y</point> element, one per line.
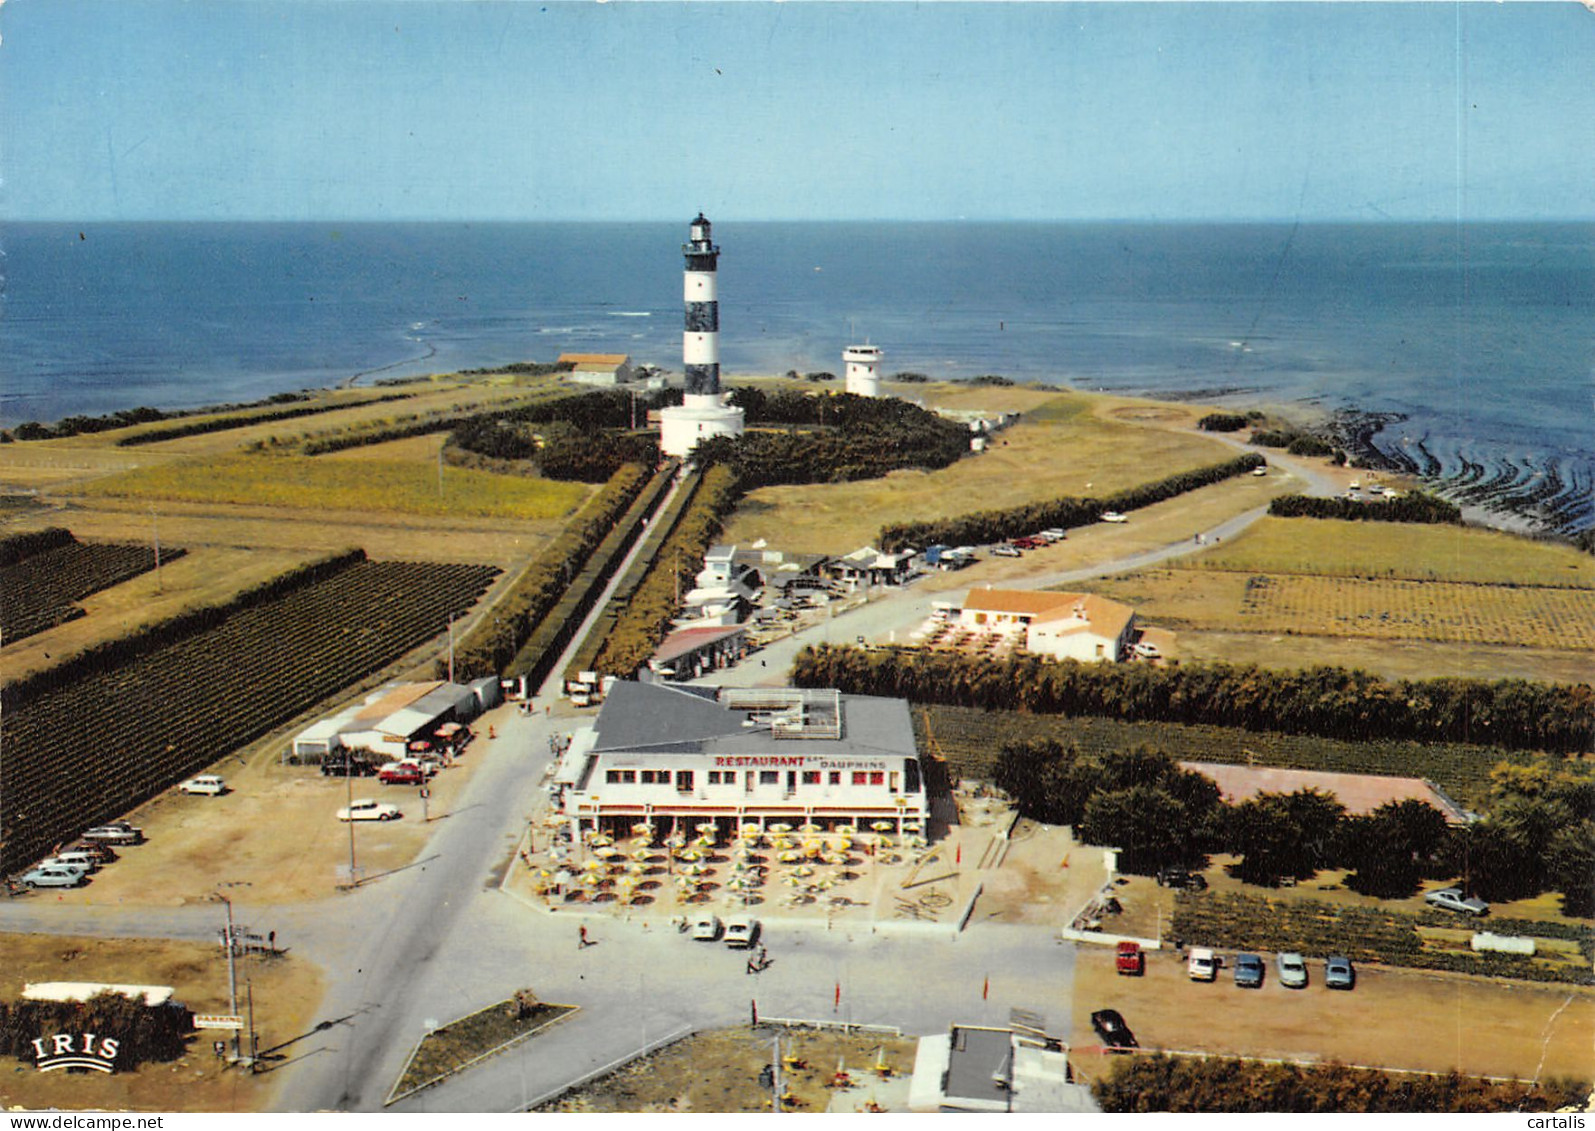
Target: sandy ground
<point>277,833</point>
<point>286,992</point>
<point>673,1080</point>
<point>1394,1018</point>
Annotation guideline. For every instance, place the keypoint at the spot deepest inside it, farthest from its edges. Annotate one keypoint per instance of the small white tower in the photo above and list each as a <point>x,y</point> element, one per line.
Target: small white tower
<point>704,412</point>
<point>863,363</point>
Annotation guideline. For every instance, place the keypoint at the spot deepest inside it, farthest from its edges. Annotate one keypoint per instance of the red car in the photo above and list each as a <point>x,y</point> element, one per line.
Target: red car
<point>1129,959</point>
<point>401,775</point>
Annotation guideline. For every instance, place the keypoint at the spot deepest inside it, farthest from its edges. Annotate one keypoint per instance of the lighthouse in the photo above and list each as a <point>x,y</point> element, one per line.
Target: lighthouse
<point>704,412</point>
<point>863,370</point>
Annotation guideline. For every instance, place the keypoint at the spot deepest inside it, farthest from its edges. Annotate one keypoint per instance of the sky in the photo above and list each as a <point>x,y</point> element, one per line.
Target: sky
<point>456,110</point>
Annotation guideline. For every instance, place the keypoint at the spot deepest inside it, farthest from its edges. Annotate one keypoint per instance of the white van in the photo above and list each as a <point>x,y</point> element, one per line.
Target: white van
<point>1203,965</point>
<point>706,927</point>
<point>206,784</point>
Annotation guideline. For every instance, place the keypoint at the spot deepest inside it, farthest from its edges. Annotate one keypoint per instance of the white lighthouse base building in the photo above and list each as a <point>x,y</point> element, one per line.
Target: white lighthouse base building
<point>684,427</point>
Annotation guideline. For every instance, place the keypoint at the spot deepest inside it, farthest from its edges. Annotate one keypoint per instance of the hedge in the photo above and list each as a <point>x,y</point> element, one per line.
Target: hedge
<point>490,646</point>
<point>985,527</point>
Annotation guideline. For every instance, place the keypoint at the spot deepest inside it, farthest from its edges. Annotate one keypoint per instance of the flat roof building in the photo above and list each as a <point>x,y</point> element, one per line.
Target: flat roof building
<point>680,756</point>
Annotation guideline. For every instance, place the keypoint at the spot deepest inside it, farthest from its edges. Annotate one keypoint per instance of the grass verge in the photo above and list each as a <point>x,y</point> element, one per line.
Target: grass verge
<point>459,1044</point>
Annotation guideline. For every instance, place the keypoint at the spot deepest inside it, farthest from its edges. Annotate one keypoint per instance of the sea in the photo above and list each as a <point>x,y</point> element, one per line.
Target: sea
<point>1464,353</point>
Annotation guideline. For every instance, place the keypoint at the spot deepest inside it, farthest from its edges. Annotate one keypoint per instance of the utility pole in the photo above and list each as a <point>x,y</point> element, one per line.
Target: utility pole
<point>348,794</point>
<point>229,940</point>
<point>451,647</point>
<point>155,535</point>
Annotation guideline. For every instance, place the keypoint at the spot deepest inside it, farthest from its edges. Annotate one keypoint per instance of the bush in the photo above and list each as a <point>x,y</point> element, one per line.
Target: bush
<point>1220,1084</point>
<point>1222,422</point>
<point>1414,506</point>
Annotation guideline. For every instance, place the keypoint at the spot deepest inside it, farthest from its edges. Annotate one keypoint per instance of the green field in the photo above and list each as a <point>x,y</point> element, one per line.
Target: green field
<point>1066,445</point>
<point>401,487</point>
<point>1399,550</point>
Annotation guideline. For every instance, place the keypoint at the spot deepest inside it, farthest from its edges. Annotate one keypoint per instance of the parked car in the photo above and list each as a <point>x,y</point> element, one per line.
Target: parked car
<point>1260,470</point>
<point>1292,970</point>
<point>103,852</point>
<point>208,784</point>
<point>1181,878</point>
<point>368,809</point>
<point>1114,516</point>
<point>1202,966</point>
<point>1055,533</point>
<point>742,931</point>
<point>1006,551</point>
<point>1339,973</point>
<point>1147,651</point>
<point>84,862</point>
<point>394,774</point>
<point>1248,971</point>
<point>344,765</point>
<point>1452,899</point>
<point>53,876</point>
<point>1129,959</point>
<point>706,927</point>
<point>1028,543</point>
<point>115,832</point>
<point>1110,1026</point>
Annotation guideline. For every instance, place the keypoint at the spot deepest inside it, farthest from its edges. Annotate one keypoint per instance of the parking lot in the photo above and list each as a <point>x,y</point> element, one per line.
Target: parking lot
<point>1394,1018</point>
<point>275,831</point>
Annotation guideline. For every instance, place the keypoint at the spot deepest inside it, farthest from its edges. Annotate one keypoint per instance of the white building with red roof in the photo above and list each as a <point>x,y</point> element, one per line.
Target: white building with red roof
<point>1065,626</point>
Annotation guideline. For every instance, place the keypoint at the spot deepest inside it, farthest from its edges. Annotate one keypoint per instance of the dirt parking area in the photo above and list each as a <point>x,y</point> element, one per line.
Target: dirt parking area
<point>286,992</point>
<point>1393,1019</point>
<point>276,834</point>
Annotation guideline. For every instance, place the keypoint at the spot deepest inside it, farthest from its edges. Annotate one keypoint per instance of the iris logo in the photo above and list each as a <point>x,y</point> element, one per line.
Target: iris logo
<point>75,1050</point>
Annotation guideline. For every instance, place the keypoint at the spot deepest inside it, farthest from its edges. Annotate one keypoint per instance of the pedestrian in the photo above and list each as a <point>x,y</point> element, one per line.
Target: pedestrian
<point>582,936</point>
<point>271,940</point>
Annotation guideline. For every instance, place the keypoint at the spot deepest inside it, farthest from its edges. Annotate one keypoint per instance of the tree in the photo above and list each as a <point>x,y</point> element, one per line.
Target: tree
<point>1144,822</point>
<point>1284,835</point>
<point>1570,868</point>
<point>1390,848</point>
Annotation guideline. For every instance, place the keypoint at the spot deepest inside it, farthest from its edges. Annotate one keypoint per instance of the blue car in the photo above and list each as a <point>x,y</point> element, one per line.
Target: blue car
<point>1339,973</point>
<point>1248,971</point>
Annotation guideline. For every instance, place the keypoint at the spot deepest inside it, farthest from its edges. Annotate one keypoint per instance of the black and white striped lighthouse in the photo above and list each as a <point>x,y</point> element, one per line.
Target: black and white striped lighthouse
<point>703,412</point>
<point>700,346</point>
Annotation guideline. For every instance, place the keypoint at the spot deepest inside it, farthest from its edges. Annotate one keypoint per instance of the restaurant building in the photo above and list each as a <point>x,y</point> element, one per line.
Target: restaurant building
<point>679,756</point>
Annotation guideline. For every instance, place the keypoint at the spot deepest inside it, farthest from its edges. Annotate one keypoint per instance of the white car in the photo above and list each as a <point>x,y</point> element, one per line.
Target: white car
<point>1113,516</point>
<point>368,809</point>
<point>1147,651</point>
<point>1452,899</point>
<point>742,931</point>
<point>1292,970</point>
<point>1259,471</point>
<point>205,784</point>
<point>706,928</point>
<point>82,861</point>
<point>1203,965</point>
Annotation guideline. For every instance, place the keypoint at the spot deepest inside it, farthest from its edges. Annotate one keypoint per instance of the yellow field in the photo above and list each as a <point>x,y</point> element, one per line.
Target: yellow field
<point>1388,609</point>
<point>1392,659</point>
<point>396,486</point>
<point>1433,610</point>
<point>1388,549</point>
<point>1074,446</point>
